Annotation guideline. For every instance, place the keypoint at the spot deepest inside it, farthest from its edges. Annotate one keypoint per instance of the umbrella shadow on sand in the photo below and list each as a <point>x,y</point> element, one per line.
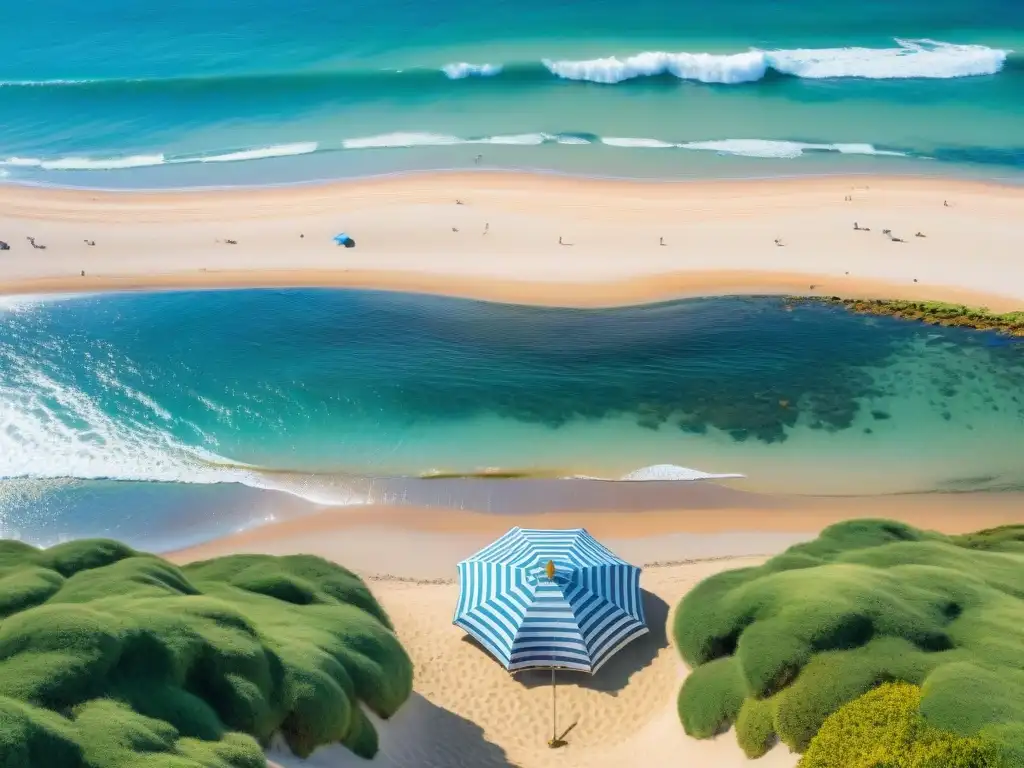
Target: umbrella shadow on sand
<point>617,671</point>
<point>425,735</point>
<point>420,735</point>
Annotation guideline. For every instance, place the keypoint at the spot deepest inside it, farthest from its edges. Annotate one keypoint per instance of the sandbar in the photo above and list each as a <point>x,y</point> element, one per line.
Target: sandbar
<point>532,239</point>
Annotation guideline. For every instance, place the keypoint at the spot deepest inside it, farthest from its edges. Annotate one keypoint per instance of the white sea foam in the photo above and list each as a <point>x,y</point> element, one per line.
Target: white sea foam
<point>768,148</point>
<point>523,139</point>
<point>53,430</point>
<point>462,69</point>
<point>663,473</point>
<point>86,163</point>
<point>703,67</point>
<point>781,149</point>
<point>674,472</point>
<point>637,143</point>
<point>908,59</point>
<point>401,139</point>
<point>277,150</point>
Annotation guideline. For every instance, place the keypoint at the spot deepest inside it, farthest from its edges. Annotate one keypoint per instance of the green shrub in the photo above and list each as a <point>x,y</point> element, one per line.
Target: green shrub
<point>884,727</point>
<point>720,696</point>
<point>868,602</point>
<point>755,727</point>
<point>111,658</point>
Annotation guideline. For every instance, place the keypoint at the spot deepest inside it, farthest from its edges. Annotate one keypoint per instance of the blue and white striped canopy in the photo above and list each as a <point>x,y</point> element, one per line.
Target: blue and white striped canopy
<point>578,620</point>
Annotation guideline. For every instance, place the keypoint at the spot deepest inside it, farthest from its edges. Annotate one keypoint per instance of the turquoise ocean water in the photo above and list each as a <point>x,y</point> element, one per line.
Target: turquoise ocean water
<point>176,416</point>
<point>127,94</point>
<point>172,417</point>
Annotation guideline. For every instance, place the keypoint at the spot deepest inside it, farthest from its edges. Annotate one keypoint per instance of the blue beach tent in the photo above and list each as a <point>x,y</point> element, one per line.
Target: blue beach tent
<point>343,239</point>
<point>550,599</point>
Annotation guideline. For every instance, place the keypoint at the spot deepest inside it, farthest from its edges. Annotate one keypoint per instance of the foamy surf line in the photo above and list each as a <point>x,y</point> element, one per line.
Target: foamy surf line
<point>54,430</point>
<point>909,59</point>
<point>764,148</point>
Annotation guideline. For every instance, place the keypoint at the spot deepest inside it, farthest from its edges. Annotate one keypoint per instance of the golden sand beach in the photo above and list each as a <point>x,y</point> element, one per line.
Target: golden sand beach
<point>532,239</point>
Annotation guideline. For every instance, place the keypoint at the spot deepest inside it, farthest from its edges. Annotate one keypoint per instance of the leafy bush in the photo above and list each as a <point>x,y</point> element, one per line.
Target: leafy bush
<point>111,658</point>
<point>885,727</point>
<point>868,602</point>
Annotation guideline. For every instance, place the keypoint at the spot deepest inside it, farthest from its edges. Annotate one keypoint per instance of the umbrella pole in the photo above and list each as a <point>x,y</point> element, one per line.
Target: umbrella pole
<point>554,708</point>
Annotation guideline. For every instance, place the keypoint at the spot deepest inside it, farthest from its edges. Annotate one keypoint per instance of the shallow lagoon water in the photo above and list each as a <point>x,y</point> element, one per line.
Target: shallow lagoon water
<point>348,397</point>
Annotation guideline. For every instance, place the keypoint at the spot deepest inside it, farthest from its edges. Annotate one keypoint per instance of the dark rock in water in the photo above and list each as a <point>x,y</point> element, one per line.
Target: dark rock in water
<point>881,415</point>
<point>868,431</point>
<point>947,415</point>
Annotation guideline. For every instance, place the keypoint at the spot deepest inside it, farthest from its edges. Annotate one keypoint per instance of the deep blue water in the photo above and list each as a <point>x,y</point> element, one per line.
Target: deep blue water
<point>127,94</point>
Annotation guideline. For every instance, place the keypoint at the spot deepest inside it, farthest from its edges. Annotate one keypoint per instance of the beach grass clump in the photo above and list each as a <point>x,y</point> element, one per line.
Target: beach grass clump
<point>885,727</point>
<point>939,313</point>
<point>792,641</point>
<point>112,658</point>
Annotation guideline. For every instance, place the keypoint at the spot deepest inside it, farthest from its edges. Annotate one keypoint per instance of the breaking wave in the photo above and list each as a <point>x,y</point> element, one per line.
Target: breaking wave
<point>908,59</point>
<point>905,59</point>
<point>462,69</point>
<point>765,148</point>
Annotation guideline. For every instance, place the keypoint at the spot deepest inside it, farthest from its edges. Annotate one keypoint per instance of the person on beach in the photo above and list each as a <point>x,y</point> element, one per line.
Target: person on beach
<point>487,228</point>
<point>4,246</point>
<point>36,245</point>
<point>661,241</point>
<point>477,159</point>
<point>90,243</point>
<point>778,241</point>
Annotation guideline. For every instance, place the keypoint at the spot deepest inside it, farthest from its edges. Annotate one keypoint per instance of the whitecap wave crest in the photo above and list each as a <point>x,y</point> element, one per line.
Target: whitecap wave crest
<point>907,59</point>
<point>277,150</point>
<point>462,69</point>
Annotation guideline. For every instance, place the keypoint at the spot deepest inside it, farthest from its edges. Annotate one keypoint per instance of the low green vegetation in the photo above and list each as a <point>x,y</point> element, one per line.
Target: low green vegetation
<point>938,313</point>
<point>110,658</point>
<point>779,648</point>
<point>885,727</point>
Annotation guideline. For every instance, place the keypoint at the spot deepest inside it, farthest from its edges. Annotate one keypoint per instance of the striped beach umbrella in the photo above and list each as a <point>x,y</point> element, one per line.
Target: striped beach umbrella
<point>550,599</point>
